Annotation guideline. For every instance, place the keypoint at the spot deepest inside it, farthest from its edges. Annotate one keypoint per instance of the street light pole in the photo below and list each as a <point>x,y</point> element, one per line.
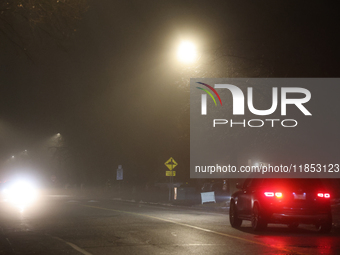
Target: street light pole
<point>171,180</point>
<point>187,54</point>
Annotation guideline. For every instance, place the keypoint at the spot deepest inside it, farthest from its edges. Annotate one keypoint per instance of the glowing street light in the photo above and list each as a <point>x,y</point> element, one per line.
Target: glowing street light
<point>12,156</point>
<point>187,52</point>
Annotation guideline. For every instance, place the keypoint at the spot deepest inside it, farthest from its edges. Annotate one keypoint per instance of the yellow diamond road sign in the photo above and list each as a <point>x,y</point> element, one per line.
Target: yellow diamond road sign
<point>170,173</point>
<point>171,163</point>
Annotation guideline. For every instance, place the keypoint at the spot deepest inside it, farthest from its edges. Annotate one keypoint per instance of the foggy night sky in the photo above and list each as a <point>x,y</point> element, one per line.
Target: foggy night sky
<point>117,94</point>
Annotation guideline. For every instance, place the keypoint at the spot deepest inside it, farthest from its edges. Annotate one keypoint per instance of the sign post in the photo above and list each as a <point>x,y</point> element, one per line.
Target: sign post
<point>171,164</point>
<point>119,175</point>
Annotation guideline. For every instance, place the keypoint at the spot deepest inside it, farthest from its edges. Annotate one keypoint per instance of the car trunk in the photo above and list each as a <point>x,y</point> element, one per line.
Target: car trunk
<point>299,196</point>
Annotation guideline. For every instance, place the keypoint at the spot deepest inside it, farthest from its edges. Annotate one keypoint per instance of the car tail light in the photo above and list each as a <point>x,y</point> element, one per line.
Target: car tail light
<point>272,194</point>
<point>278,194</point>
<point>269,194</point>
<point>325,195</point>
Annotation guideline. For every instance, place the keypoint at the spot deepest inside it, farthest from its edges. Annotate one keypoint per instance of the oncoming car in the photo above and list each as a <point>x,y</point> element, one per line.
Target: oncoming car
<point>284,201</point>
<point>19,193</point>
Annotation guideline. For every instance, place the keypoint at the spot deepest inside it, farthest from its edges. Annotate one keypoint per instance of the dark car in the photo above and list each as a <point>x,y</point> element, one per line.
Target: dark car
<point>284,201</point>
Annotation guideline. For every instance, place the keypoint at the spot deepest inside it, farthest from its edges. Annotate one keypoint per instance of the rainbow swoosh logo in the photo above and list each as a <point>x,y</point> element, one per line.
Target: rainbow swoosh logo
<point>208,92</point>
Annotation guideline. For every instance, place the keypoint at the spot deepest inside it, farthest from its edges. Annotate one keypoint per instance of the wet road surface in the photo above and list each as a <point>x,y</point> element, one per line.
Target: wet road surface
<point>65,226</point>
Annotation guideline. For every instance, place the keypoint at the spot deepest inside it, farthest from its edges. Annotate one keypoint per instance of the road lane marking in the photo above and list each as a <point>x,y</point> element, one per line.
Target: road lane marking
<point>77,248</point>
<point>174,218</point>
<point>10,244</point>
<point>195,227</point>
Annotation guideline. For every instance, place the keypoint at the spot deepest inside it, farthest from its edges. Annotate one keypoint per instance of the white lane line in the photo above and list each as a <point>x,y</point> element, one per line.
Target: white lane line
<point>174,218</point>
<point>10,244</point>
<point>77,248</point>
<point>198,228</point>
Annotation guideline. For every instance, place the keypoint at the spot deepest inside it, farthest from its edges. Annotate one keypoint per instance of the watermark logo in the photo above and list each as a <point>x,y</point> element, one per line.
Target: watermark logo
<point>238,99</point>
<point>236,123</point>
<point>204,97</point>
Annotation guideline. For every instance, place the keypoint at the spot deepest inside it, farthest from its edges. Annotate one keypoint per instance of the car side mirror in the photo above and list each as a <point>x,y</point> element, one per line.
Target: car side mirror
<point>238,186</point>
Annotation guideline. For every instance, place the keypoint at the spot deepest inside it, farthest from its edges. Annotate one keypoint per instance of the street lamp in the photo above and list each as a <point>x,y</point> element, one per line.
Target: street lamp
<point>187,52</point>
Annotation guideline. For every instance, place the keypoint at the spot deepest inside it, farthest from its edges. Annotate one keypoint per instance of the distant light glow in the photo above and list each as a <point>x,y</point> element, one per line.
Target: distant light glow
<point>187,52</point>
<point>12,156</point>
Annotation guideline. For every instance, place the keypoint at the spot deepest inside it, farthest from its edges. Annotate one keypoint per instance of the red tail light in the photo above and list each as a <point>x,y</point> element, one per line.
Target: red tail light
<point>325,195</point>
<point>278,194</point>
<point>269,194</point>
<point>272,194</point>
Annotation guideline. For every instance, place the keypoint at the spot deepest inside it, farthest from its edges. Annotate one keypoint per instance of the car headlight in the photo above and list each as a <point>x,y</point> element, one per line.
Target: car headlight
<point>21,194</point>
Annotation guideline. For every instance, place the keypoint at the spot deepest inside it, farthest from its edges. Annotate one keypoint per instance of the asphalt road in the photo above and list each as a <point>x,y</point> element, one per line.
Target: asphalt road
<point>64,226</point>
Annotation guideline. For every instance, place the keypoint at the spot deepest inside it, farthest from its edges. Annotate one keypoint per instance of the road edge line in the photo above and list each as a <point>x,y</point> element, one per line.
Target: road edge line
<point>75,247</point>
